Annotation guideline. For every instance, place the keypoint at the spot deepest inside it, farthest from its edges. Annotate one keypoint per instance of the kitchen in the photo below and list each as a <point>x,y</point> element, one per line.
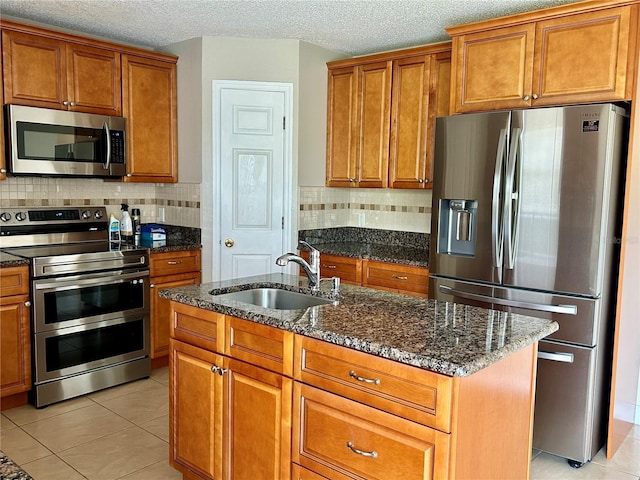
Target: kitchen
<point>167,197</point>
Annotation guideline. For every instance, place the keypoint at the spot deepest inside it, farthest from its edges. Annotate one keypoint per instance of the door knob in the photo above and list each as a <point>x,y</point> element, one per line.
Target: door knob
<point>229,242</point>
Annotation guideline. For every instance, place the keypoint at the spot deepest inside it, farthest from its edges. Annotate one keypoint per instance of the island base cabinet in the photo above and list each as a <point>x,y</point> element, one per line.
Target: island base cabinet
<point>342,439</point>
<point>195,411</point>
<point>257,424</point>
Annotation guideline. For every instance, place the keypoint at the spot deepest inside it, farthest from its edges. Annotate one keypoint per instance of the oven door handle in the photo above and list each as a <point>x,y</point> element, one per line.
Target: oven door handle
<point>107,134</point>
<point>109,278</point>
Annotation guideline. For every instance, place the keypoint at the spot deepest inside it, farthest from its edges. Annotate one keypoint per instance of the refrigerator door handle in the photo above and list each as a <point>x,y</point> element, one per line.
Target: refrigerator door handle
<point>556,356</point>
<point>511,207</point>
<point>497,232</point>
<point>541,307</point>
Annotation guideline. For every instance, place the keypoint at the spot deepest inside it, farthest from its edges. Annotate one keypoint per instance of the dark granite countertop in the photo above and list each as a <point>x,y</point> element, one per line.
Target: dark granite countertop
<point>7,260</point>
<point>382,253</point>
<point>10,471</point>
<point>408,248</point>
<point>447,338</point>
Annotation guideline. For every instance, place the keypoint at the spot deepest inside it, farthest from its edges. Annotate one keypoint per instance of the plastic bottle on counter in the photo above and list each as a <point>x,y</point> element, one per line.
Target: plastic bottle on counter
<point>114,232</point>
<point>126,226</point>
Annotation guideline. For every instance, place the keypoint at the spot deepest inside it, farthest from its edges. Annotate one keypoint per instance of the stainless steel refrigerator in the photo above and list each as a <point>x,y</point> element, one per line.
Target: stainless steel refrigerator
<point>526,218</point>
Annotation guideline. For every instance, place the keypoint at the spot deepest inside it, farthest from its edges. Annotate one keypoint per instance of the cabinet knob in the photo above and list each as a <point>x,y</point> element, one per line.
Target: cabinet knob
<point>27,303</point>
<point>534,96</point>
<point>420,180</point>
<point>73,104</point>
<point>65,102</point>
<point>153,285</point>
<point>3,170</point>
<point>525,98</point>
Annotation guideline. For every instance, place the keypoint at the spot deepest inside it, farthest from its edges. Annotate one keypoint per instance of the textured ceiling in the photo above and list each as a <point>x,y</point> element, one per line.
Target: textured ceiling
<point>353,27</point>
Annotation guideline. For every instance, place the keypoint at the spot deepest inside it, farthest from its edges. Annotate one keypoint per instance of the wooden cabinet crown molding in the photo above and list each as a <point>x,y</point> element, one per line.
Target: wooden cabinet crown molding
<point>85,40</point>
<point>392,55</point>
<point>536,15</point>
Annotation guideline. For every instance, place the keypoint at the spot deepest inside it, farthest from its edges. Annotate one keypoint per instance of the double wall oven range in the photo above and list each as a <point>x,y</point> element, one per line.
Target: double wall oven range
<point>89,300</point>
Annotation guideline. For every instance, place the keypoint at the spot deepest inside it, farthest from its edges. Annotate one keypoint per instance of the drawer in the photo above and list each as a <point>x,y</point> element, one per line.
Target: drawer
<point>261,345</point>
<point>202,328</point>
<point>169,263</point>
<point>339,438</point>
<point>396,277</point>
<point>348,269</point>
<point>414,393</point>
<point>301,473</point>
<point>14,281</point>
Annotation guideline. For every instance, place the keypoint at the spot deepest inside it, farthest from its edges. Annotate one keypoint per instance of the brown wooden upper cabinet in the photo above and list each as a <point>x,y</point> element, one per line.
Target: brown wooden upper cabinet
<point>380,114</point>
<point>577,53</point>
<point>40,71</point>
<point>150,107</point>
<point>50,69</point>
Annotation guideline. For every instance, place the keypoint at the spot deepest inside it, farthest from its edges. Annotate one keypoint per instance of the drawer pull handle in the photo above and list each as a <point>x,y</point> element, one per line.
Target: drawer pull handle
<point>353,374</point>
<point>174,262</point>
<point>328,266</point>
<point>399,277</point>
<point>372,454</point>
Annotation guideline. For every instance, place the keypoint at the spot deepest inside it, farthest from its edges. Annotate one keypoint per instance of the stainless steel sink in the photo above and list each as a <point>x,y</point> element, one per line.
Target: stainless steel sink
<point>275,298</point>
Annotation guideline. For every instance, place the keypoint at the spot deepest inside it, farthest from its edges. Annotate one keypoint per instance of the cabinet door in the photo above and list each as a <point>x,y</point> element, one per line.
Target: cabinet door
<point>94,80</point>
<point>585,57</point>
<point>15,345</point>
<point>149,104</point>
<point>34,70</point>
<point>493,69</point>
<point>409,122</point>
<point>195,409</point>
<point>3,157</point>
<point>257,426</point>
<point>160,310</point>
<point>341,127</point>
<point>439,101</point>
<point>374,111</point>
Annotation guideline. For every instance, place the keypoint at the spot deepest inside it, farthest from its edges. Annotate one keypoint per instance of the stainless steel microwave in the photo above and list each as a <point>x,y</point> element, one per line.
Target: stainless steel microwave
<point>48,142</point>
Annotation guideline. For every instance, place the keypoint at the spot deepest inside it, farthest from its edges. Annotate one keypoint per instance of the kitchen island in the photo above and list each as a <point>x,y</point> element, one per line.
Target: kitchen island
<point>378,384</point>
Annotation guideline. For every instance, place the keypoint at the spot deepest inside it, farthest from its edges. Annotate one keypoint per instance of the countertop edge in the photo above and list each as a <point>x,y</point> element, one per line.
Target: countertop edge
<point>361,343</point>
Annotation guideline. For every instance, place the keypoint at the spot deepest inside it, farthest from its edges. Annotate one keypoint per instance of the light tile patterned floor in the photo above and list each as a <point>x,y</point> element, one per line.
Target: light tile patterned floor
<point>122,434</point>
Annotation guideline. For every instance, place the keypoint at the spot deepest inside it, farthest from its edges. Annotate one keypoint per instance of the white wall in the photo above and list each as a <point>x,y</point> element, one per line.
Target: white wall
<point>219,58</point>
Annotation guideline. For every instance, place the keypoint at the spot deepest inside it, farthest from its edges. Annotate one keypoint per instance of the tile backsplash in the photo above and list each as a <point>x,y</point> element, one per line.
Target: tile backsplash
<point>319,207</point>
<point>179,202</point>
<point>389,209</point>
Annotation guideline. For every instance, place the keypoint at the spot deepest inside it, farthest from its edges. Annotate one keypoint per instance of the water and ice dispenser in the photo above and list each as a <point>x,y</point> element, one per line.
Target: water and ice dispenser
<point>457,227</point>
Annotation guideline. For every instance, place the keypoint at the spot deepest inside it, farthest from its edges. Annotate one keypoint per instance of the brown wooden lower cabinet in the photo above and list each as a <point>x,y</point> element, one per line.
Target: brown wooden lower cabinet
<point>393,277</point>
<point>300,408</point>
<point>168,270</point>
<point>340,438</point>
<point>15,336</point>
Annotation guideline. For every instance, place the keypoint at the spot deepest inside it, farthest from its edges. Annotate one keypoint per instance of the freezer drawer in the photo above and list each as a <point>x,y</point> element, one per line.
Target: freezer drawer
<point>568,421</point>
<point>578,318</point>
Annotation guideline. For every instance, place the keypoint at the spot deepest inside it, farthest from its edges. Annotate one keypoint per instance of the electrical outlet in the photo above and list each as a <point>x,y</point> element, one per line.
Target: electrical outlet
<point>361,219</point>
<point>161,214</point>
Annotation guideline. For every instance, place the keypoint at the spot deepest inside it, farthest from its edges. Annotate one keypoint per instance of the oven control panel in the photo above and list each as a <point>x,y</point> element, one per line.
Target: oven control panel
<point>49,218</point>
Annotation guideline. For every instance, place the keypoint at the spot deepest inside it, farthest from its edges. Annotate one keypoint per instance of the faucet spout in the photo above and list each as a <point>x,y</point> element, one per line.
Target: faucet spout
<point>312,269</point>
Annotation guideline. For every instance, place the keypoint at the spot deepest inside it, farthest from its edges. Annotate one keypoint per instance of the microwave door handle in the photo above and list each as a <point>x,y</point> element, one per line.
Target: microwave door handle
<point>107,132</point>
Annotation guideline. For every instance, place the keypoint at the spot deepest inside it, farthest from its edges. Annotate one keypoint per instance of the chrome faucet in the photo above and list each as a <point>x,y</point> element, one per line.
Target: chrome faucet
<point>312,269</point>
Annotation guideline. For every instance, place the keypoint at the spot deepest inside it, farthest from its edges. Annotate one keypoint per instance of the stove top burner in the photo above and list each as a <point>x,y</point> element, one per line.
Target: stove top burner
<point>41,251</point>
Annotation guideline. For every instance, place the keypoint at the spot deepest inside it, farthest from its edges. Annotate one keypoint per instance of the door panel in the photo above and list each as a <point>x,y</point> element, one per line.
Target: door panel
<point>252,181</point>
<point>467,148</point>
<point>566,173</point>
<point>578,318</point>
<point>563,411</point>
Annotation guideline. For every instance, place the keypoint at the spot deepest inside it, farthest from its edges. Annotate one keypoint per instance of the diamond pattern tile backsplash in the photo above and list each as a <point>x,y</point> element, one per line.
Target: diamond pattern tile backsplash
<point>319,207</point>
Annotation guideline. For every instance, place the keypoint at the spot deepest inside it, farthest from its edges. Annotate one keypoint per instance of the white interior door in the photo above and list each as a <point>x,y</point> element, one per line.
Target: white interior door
<point>252,179</point>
